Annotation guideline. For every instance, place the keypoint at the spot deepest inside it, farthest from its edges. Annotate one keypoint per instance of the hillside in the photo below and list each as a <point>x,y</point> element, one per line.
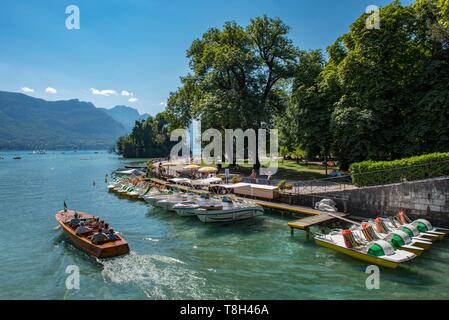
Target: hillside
<point>31,123</point>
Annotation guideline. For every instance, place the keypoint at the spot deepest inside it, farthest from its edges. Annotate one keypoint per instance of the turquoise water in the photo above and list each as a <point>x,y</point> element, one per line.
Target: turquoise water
<point>173,257</point>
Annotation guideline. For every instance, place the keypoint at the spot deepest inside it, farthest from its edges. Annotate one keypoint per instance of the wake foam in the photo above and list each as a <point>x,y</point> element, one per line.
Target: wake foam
<point>158,277</point>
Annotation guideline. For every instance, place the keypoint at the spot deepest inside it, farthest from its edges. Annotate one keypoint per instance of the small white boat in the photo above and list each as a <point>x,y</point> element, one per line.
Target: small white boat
<point>168,203</point>
<point>229,211</point>
<point>153,198</point>
<point>187,209</point>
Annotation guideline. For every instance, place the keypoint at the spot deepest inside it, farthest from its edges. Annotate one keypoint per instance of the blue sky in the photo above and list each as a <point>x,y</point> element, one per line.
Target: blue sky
<point>138,45</point>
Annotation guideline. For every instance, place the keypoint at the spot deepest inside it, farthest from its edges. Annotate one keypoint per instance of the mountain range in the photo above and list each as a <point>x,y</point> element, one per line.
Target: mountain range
<point>30,123</point>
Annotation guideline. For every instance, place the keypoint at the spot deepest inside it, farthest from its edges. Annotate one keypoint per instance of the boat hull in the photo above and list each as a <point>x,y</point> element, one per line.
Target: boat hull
<point>358,255</point>
<point>231,215</point>
<point>102,251</point>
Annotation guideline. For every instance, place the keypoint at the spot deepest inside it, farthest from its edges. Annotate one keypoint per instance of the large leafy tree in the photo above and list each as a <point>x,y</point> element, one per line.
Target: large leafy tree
<point>237,77</point>
<point>307,119</point>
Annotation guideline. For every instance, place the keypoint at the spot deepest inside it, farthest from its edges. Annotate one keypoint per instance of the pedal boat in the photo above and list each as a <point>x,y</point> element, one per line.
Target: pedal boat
<point>102,251</point>
<point>411,230</point>
<point>423,226</point>
<point>378,252</point>
<point>399,239</point>
<point>409,235</point>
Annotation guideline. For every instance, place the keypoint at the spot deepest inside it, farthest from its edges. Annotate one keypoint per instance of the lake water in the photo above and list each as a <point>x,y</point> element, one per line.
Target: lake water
<point>173,257</point>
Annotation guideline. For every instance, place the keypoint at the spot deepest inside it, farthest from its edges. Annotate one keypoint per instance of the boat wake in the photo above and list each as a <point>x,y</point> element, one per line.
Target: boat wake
<point>158,277</point>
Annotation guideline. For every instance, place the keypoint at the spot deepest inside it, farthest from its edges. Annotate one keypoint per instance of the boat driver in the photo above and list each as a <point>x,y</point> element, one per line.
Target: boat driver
<point>75,220</point>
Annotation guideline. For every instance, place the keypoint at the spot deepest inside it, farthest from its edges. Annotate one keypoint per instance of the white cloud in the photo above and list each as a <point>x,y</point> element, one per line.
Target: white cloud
<point>103,92</point>
<point>126,93</point>
<point>51,90</point>
<point>133,99</point>
<point>162,103</point>
<point>27,90</point>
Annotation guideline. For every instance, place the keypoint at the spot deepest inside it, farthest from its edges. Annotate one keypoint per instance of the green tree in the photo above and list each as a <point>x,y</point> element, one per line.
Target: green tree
<point>237,77</point>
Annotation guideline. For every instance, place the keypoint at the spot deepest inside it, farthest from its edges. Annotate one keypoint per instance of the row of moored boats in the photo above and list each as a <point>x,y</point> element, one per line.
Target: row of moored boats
<point>204,207</point>
<point>387,242</point>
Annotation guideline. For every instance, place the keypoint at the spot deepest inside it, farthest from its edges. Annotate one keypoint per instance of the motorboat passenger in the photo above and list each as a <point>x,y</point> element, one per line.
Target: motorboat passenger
<point>99,237</point>
<point>83,229</point>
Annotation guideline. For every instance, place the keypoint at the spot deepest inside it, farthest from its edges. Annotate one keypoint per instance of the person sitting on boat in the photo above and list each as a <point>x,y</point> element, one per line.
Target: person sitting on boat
<point>106,228</point>
<point>99,237</point>
<point>82,229</point>
<point>100,225</point>
<point>111,235</point>
<point>95,224</point>
<point>75,220</point>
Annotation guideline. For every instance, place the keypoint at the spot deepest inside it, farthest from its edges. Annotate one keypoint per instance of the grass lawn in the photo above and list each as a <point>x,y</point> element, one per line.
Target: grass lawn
<point>290,170</point>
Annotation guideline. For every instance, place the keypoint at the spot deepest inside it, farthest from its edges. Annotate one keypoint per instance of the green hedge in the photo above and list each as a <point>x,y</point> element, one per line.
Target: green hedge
<point>370,173</point>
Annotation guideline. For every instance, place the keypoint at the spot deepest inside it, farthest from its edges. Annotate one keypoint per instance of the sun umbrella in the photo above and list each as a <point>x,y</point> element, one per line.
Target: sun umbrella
<point>208,169</point>
<point>191,167</point>
<point>169,164</point>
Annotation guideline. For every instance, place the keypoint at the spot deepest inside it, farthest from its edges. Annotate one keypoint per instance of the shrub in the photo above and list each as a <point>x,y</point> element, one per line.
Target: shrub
<point>369,173</point>
<point>236,179</point>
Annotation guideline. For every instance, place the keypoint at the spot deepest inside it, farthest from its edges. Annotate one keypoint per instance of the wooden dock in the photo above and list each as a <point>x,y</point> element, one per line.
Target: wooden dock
<point>306,223</point>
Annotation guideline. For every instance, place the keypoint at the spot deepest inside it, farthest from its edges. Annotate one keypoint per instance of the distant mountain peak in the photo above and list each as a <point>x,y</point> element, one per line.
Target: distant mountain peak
<point>125,115</point>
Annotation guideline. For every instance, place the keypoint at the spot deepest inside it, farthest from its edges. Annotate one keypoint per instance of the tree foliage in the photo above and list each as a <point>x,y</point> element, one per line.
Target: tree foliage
<point>237,75</point>
<point>382,94</point>
<point>148,139</point>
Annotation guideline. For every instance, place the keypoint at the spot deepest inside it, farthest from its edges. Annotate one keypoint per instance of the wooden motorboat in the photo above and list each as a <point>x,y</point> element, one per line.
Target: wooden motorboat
<point>378,252</point>
<point>108,249</point>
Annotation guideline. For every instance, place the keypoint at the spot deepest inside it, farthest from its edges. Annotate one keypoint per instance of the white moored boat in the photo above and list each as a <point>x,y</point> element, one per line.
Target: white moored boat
<point>229,211</point>
<point>187,209</point>
<point>168,203</point>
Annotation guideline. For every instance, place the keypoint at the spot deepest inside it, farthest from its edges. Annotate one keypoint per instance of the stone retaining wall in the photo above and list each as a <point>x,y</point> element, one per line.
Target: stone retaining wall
<point>428,199</point>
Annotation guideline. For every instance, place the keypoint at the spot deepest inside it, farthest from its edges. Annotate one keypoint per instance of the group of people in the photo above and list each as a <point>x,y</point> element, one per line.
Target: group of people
<point>98,228</point>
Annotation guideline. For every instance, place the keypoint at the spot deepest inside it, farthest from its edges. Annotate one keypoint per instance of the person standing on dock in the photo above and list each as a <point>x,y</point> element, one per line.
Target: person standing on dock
<point>253,176</point>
